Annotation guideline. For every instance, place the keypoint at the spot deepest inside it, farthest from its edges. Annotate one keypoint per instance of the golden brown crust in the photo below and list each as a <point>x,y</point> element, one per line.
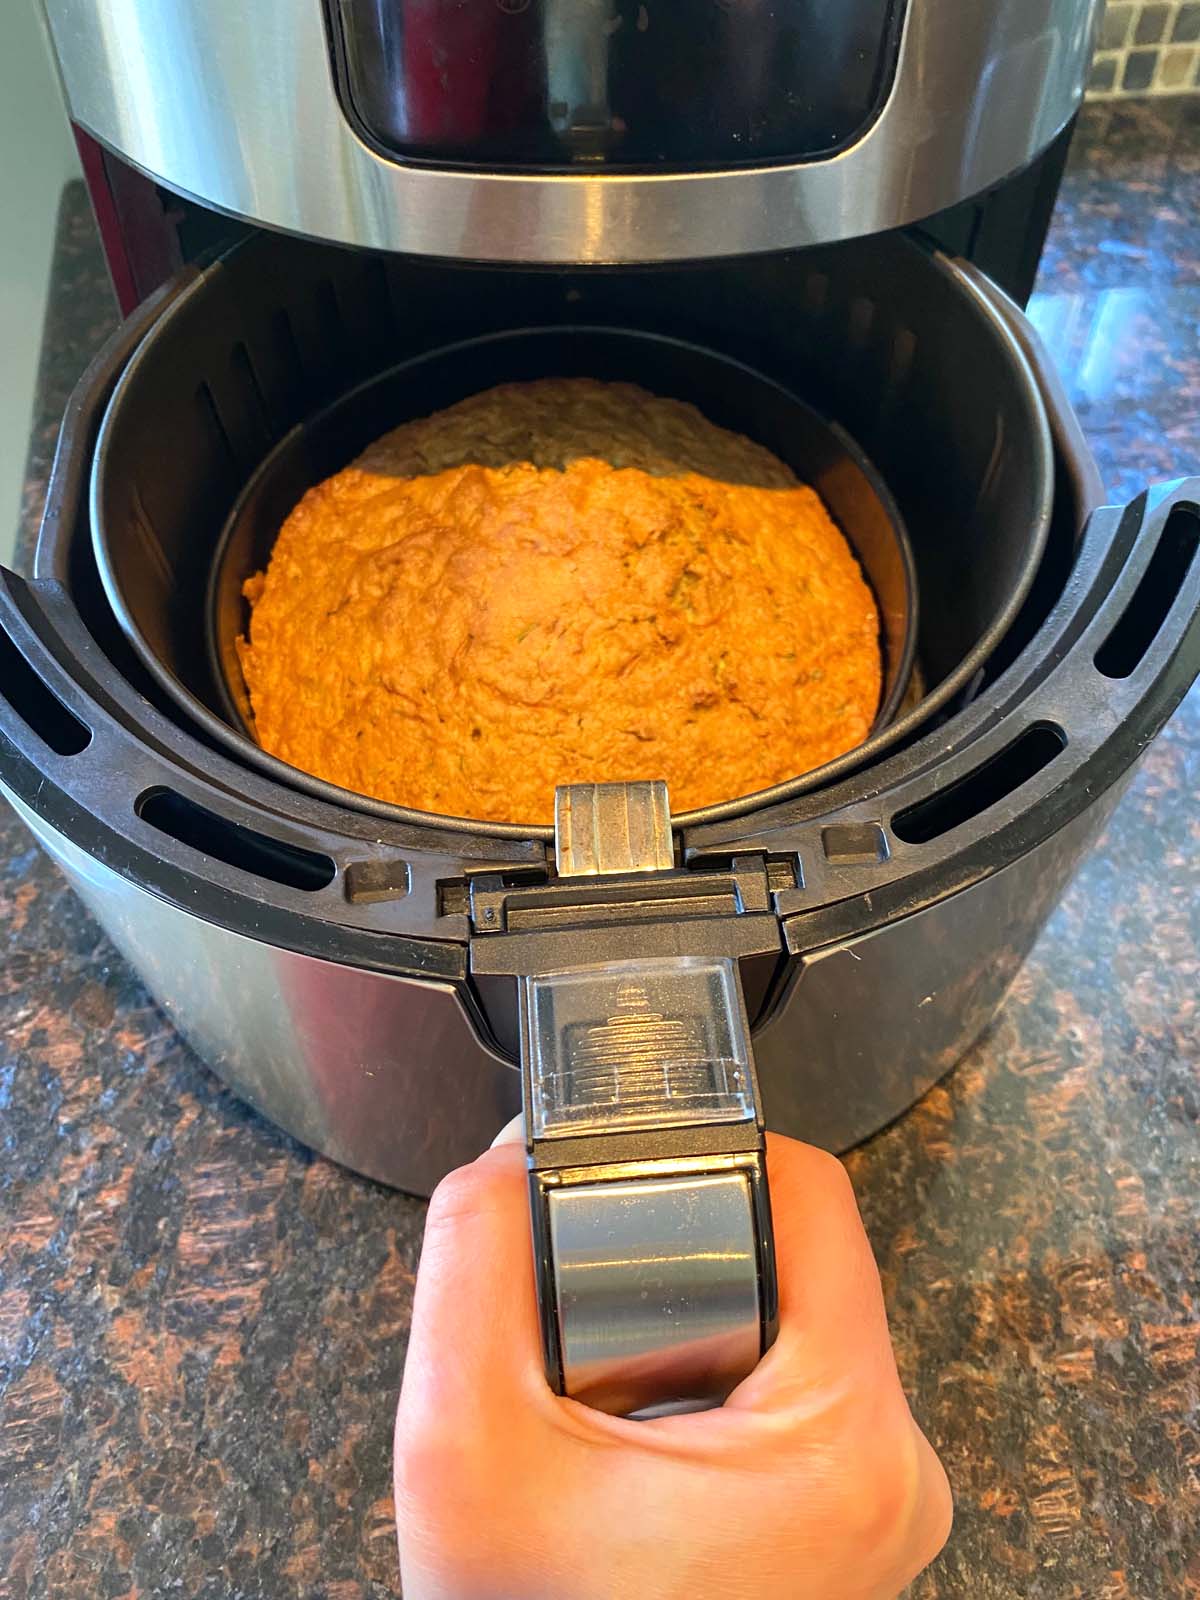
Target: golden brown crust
<point>559,420</point>
<point>448,629</point>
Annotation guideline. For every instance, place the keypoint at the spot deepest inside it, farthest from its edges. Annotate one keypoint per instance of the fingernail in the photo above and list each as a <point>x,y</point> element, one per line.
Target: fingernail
<point>512,1132</point>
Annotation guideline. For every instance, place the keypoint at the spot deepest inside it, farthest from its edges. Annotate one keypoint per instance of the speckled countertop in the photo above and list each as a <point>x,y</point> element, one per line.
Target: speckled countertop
<point>202,1326</point>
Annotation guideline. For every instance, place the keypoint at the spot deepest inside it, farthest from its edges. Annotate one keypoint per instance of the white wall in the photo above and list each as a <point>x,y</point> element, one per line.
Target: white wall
<point>37,156</point>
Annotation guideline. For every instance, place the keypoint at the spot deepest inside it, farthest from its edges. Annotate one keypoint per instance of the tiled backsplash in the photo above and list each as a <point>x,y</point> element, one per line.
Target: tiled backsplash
<point>1147,47</point>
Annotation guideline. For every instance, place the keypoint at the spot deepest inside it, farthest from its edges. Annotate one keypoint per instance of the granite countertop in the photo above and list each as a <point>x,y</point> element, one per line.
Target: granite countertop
<point>202,1325</point>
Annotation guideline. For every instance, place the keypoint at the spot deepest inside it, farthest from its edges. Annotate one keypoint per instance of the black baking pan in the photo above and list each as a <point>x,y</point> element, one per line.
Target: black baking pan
<point>275,367</point>
<point>727,392</point>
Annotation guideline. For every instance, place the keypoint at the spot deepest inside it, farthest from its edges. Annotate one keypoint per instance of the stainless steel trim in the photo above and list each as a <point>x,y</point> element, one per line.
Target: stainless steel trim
<point>383,1073</point>
<point>658,1277</point>
<point>237,107</point>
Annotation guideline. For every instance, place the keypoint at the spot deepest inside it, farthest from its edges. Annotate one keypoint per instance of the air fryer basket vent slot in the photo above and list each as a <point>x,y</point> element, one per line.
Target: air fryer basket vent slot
<point>329,312</point>
<point>194,825</point>
<point>900,357</point>
<point>213,425</point>
<point>862,316</point>
<point>1023,759</point>
<point>816,291</point>
<point>37,706</point>
<point>1135,630</point>
<point>285,349</point>
<point>250,390</point>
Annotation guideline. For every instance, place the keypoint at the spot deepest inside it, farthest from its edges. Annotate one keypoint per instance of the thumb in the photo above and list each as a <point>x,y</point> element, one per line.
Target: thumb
<point>513,1131</point>
<point>474,1349</point>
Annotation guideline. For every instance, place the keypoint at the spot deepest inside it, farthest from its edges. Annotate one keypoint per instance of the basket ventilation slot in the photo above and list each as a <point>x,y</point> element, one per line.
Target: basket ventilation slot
<point>1135,630</point>
<point>253,399</point>
<point>285,349</point>
<point>37,706</point>
<point>1013,766</point>
<point>200,829</point>
<point>214,427</point>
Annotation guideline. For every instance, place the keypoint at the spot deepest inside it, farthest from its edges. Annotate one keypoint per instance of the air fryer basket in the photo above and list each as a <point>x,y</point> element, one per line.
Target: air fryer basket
<point>339,967</point>
<point>874,339</point>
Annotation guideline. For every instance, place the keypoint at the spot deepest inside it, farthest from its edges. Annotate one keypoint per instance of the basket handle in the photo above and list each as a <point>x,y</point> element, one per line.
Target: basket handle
<point>648,1187</point>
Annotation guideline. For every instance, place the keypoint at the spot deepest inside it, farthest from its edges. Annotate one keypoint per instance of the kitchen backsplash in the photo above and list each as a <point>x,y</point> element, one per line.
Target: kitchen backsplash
<point>1147,47</point>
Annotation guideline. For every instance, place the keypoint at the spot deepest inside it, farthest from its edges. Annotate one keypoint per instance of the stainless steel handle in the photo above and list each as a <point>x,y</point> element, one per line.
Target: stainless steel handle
<point>648,1188</point>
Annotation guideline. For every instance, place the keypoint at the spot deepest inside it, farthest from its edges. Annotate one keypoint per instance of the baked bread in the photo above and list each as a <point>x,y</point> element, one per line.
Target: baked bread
<point>560,582</point>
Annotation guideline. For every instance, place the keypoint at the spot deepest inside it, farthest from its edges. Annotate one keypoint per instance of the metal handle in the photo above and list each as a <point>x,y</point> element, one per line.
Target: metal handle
<point>648,1187</point>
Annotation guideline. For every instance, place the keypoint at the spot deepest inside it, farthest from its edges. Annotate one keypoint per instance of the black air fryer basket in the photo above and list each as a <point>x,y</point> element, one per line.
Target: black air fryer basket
<point>1054,640</point>
<point>254,385</point>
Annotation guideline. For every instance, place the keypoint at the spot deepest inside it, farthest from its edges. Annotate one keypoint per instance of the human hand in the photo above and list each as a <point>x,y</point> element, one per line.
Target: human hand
<point>812,1480</point>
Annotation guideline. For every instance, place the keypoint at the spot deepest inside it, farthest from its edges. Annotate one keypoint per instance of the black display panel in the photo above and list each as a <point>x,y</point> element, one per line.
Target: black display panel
<point>617,84</point>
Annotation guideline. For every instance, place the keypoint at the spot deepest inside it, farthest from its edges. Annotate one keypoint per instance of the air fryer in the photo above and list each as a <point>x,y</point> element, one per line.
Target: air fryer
<point>669,197</point>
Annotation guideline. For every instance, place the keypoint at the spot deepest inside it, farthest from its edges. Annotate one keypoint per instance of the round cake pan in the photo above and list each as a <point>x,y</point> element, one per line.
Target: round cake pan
<point>727,392</point>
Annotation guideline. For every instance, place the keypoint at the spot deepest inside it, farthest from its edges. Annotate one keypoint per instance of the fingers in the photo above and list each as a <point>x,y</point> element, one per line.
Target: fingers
<point>935,1513</point>
<point>470,1422</point>
<point>474,1342</point>
<point>832,1322</point>
<point>832,1372</point>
